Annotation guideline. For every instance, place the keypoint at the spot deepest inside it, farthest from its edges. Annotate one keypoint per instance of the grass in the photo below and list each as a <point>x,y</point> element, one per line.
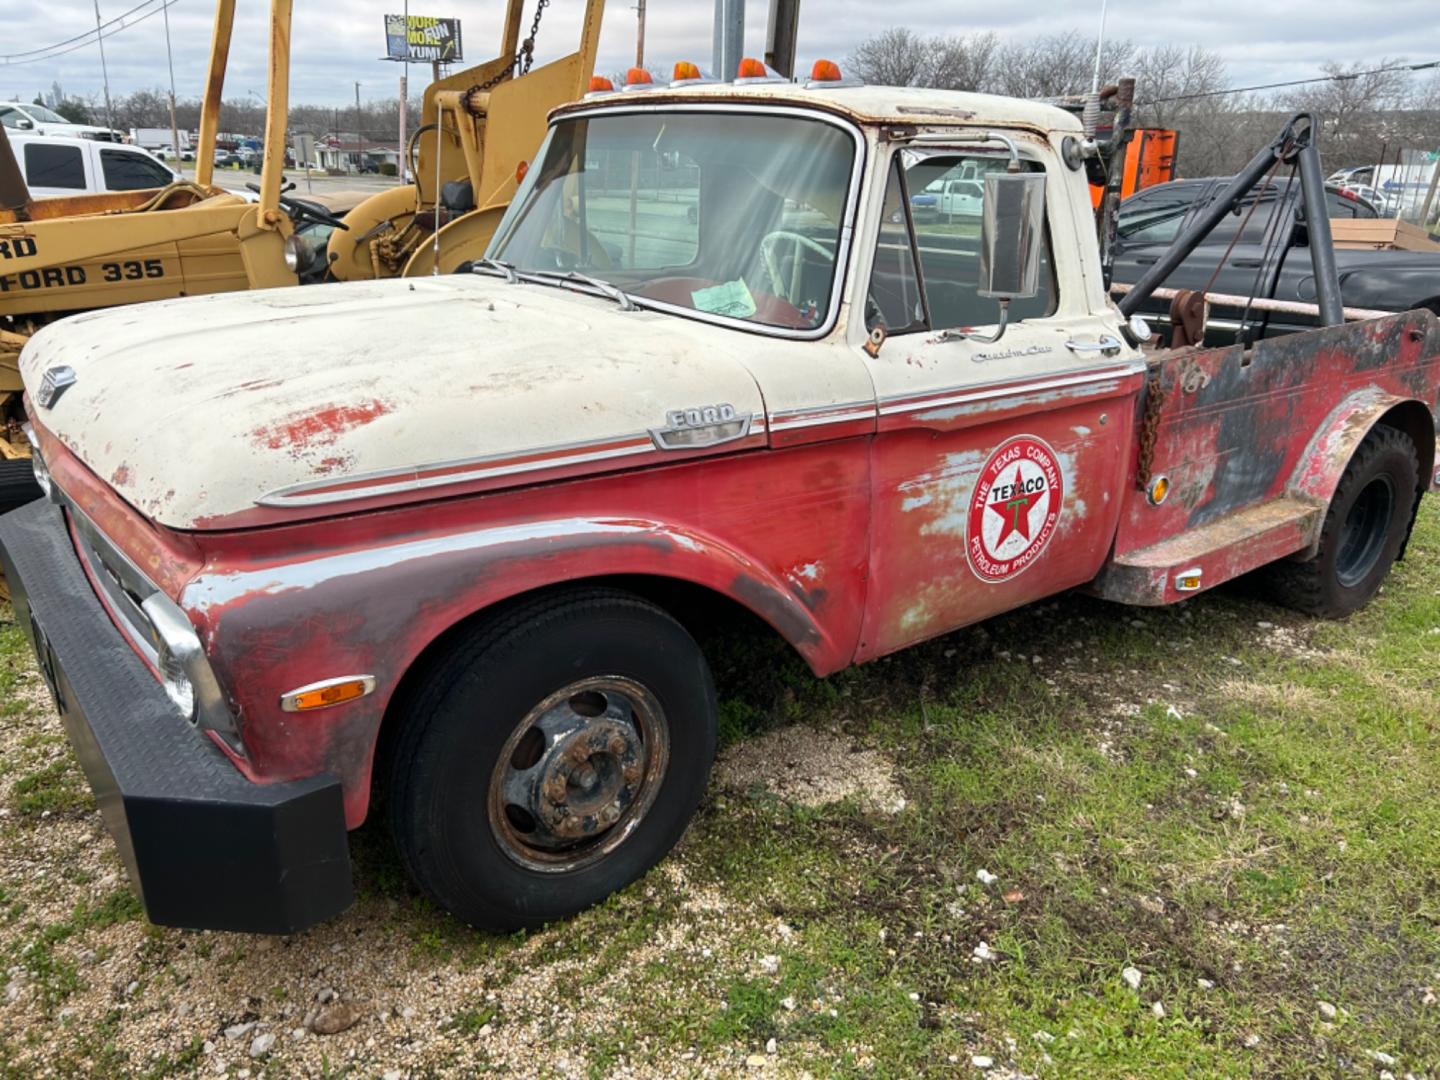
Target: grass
<point>1241,804</point>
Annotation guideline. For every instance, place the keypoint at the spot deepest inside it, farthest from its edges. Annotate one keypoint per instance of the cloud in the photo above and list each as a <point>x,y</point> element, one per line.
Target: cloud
<point>334,45</point>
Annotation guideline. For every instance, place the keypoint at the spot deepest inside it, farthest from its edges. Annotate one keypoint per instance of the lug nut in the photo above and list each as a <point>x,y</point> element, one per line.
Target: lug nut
<point>617,745</point>
<point>632,773</point>
<point>610,814</point>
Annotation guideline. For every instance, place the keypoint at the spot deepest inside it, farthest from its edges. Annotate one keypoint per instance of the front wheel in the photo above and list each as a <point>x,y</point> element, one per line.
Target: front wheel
<point>550,757</point>
<point>1365,530</point>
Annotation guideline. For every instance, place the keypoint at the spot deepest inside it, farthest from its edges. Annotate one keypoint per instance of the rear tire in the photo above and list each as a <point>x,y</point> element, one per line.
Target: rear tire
<point>17,484</point>
<point>1366,526</point>
<point>550,756</point>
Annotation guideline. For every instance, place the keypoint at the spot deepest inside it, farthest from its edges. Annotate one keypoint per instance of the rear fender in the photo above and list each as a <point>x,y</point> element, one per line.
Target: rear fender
<point>377,610</point>
<point>1322,465</point>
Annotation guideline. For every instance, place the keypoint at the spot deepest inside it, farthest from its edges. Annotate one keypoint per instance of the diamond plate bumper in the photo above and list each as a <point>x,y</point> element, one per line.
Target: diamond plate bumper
<point>205,848</point>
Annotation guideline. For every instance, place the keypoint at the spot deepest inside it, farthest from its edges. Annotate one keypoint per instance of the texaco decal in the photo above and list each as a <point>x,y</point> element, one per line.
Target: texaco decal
<point>1014,509</point>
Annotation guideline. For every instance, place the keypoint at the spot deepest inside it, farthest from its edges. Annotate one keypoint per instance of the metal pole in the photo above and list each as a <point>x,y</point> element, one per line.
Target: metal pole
<point>404,164</point>
<point>104,70</point>
<point>729,37</point>
<point>781,36</point>
<point>359,140</point>
<point>1099,47</point>
<point>404,108</point>
<point>1317,222</point>
<point>170,56</point>
<point>640,34</point>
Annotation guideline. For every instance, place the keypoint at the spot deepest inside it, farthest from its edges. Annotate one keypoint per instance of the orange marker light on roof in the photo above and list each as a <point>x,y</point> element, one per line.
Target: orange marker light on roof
<point>826,71</point>
<point>750,68</point>
<point>521,170</point>
<point>637,76</point>
<point>600,83</point>
<point>684,69</point>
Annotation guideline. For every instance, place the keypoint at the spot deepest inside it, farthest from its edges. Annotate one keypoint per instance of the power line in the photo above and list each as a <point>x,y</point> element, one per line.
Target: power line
<point>89,37</point>
<point>1344,77</point>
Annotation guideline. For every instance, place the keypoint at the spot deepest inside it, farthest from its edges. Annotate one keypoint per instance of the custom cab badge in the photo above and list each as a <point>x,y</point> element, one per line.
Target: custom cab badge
<point>1014,509</point>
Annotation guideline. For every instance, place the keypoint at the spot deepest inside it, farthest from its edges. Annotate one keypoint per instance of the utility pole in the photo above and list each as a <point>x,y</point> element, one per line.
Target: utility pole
<point>170,56</point>
<point>729,37</point>
<point>359,139</point>
<point>404,160</point>
<point>104,71</point>
<point>640,34</point>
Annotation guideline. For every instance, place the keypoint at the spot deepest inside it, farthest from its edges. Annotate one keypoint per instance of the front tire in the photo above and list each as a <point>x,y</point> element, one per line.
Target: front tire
<point>551,756</point>
<point>1366,526</point>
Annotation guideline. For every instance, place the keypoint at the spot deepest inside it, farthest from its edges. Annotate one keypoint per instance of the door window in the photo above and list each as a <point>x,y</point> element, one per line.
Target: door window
<point>1155,216</point>
<point>948,249</point>
<point>54,166</point>
<point>126,170</point>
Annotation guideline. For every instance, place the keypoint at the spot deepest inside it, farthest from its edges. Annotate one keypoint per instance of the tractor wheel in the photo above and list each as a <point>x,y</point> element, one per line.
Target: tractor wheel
<point>550,756</point>
<point>1365,530</point>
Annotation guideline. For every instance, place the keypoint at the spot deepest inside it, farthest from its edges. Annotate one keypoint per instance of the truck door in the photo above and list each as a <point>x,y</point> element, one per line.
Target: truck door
<point>996,468</point>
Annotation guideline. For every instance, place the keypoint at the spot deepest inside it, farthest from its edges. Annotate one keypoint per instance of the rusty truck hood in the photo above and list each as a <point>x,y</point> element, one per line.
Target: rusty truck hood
<point>198,411</point>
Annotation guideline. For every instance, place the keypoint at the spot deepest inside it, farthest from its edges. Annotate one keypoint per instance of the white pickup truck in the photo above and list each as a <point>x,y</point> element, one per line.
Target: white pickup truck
<point>60,165</point>
<point>446,541</point>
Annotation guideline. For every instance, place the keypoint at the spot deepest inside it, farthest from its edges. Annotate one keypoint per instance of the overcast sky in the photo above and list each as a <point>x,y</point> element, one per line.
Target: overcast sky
<point>336,43</point>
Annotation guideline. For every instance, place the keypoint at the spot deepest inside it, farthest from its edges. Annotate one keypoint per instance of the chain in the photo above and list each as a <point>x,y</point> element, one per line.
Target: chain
<point>523,59</point>
<point>1149,426</point>
<point>527,48</point>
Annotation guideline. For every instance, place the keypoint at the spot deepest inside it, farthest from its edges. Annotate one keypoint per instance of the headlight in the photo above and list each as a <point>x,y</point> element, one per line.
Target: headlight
<point>292,252</point>
<point>177,647</point>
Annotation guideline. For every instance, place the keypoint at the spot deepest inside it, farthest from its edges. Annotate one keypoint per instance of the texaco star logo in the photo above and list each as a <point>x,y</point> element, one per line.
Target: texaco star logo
<point>1014,509</point>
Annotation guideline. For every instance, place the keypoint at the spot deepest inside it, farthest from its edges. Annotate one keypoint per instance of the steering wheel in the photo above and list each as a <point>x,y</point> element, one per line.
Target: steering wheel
<point>302,211</point>
<point>772,266</point>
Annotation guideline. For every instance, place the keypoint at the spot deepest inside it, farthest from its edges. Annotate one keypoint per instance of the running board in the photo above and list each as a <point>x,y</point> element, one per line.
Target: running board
<point>1201,558</point>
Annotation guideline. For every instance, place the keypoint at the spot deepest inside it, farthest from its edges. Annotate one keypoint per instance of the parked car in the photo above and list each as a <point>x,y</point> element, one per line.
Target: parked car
<point>1268,257</point>
<point>29,119</point>
<point>54,165</point>
<point>440,546</point>
<point>226,159</point>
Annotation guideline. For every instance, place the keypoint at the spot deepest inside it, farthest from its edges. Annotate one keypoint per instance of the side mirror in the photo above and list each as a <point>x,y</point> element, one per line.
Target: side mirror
<point>1011,228</point>
<point>25,125</point>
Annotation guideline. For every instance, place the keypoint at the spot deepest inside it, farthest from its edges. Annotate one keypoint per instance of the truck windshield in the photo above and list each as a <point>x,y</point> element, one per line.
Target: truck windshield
<point>730,214</point>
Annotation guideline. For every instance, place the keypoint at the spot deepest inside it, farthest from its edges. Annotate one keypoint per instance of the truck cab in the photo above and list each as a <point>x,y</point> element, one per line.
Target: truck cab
<point>59,165</point>
<point>710,357</point>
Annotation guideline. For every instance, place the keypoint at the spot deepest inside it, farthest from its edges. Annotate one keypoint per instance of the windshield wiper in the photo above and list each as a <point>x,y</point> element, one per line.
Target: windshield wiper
<point>495,266</point>
<point>614,292</point>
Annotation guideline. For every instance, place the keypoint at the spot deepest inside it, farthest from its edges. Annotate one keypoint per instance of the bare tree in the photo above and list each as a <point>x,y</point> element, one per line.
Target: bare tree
<point>961,63</point>
<point>894,57</point>
<point>1174,83</point>
<point>1057,65</point>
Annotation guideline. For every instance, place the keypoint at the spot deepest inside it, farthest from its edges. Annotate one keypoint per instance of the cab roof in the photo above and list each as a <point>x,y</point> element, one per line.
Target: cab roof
<point>864,104</point>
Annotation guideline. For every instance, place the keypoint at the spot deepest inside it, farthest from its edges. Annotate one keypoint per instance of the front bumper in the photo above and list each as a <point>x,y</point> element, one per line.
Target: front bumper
<point>205,848</point>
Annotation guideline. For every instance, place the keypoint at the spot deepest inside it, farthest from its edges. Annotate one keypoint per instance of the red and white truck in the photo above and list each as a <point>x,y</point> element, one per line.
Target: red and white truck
<point>437,547</point>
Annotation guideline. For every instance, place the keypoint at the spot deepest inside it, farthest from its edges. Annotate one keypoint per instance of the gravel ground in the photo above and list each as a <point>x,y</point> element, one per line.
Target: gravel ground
<point>234,1005</point>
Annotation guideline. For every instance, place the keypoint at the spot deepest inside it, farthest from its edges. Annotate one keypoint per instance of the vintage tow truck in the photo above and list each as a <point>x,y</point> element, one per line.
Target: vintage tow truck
<point>438,546</point>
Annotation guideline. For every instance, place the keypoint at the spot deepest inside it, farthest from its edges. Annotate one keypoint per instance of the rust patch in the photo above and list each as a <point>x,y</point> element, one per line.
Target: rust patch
<point>319,428</point>
<point>120,476</point>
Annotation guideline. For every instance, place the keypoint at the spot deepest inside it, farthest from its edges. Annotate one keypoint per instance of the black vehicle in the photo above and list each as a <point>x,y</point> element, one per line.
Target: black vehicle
<point>1267,258</point>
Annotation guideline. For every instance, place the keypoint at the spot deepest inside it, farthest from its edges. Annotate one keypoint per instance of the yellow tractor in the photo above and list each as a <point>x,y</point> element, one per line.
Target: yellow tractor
<point>60,256</point>
<point>478,130</point>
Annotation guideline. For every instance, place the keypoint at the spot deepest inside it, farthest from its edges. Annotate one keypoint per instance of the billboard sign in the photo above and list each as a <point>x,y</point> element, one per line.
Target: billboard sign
<point>422,38</point>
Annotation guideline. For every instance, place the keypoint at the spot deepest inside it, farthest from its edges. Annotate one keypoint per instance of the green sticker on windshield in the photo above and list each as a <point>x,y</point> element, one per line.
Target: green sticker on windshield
<point>732,299</point>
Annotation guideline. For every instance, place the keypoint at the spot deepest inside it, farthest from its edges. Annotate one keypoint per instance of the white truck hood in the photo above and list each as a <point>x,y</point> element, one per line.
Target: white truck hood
<point>194,409</point>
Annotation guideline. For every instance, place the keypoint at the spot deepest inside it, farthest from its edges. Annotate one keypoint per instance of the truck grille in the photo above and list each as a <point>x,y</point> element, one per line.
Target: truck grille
<point>124,586</point>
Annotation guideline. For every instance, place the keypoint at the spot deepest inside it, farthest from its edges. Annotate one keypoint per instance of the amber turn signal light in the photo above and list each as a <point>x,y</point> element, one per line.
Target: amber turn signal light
<point>637,76</point>
<point>825,71</point>
<point>599,83</point>
<point>750,68</point>
<point>321,695</point>
<point>684,69</point>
